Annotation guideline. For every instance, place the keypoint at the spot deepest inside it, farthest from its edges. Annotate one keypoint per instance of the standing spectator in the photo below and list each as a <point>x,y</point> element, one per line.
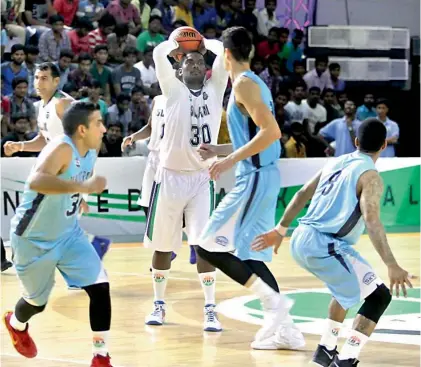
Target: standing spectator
<point>126,76</point>
<point>272,45</point>
<point>266,18</point>
<point>182,12</point>
<point>54,40</point>
<point>81,77</point>
<point>150,37</point>
<point>335,72</point>
<point>342,131</point>
<point>295,147</point>
<point>316,113</point>
<point>67,9</point>
<point>98,36</point>
<point>295,108</point>
<point>329,100</point>
<point>13,69</point>
<point>20,104</point>
<point>125,12</point>
<point>63,64</point>
<point>92,10</point>
<point>111,142</point>
<point>319,76</point>
<point>21,131</point>
<point>367,109</point>
<point>102,73</point>
<point>140,108</point>
<point>392,137</point>
<point>94,92</point>
<point>79,39</point>
<point>148,74</point>
<point>118,41</point>
<point>120,112</point>
<point>30,64</point>
<point>292,50</point>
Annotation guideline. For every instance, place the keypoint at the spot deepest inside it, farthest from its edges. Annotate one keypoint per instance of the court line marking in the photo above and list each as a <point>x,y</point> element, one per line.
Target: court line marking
<point>85,363</point>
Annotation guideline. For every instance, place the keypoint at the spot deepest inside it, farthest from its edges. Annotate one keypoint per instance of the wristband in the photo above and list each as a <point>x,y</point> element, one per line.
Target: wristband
<point>281,230</point>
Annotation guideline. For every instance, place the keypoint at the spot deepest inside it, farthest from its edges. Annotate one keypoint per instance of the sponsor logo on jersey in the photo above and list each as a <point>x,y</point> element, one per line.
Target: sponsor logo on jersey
<point>47,114</point>
<point>208,280</point>
<point>222,241</point>
<point>77,162</point>
<point>369,277</point>
<point>205,96</point>
<point>159,278</point>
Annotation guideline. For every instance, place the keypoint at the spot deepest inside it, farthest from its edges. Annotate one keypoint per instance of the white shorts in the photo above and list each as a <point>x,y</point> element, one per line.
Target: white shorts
<point>174,194</point>
<point>148,178</point>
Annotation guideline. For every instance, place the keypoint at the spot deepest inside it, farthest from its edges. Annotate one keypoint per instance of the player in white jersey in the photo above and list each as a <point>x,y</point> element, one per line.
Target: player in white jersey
<point>182,183</point>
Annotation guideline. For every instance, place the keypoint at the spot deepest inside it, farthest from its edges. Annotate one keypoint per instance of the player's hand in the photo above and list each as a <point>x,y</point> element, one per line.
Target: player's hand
<point>221,166</point>
<point>12,147</point>
<point>128,140</point>
<point>207,151</point>
<point>398,277</point>
<point>202,48</point>
<point>84,207</point>
<point>268,239</point>
<point>94,185</point>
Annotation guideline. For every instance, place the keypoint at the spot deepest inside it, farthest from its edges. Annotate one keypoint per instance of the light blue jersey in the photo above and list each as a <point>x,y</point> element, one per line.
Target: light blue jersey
<point>335,207</point>
<point>242,129</point>
<point>45,218</point>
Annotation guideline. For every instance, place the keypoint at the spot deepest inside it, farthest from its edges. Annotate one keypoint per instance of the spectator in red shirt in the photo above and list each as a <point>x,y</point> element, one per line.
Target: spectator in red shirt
<point>5,111</point>
<point>277,38</point>
<point>67,9</point>
<point>79,39</point>
<point>125,12</point>
<point>98,36</point>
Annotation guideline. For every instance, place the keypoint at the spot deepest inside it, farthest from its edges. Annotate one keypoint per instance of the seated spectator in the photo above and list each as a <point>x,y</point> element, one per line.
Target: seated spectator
<point>120,112</point>
<point>125,12</point>
<point>125,77</point>
<point>63,64</point>
<point>81,76</point>
<point>203,13</point>
<point>329,102</point>
<point>224,15</point>
<point>267,18</point>
<point>102,73</point>
<point>270,46</point>
<point>316,113</point>
<point>295,147</point>
<point>257,65</point>
<point>71,90</point>
<point>224,136</point>
<point>282,116</point>
<point>118,41</point>
<point>295,108</point>
<point>30,64</point>
<point>79,39</point>
<point>21,131</point>
<point>335,72</point>
<point>94,92</point>
<point>67,9</point>
<point>367,109</point>
<point>292,51</point>
<point>209,31</point>
<point>144,11</point>
<point>54,40</point>
<point>98,36</point>
<point>319,76</point>
<point>13,69</point>
<point>36,14</point>
<point>392,137</point>
<point>111,142</point>
<point>291,80</point>
<point>164,11</point>
<point>182,11</point>
<point>5,111</point>
<point>92,10</point>
<point>272,74</point>
<point>20,104</point>
<point>140,108</point>
<point>148,74</point>
<point>150,37</point>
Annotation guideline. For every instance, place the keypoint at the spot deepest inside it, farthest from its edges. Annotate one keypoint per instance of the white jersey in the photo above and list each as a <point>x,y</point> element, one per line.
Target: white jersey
<point>49,124</point>
<point>157,122</point>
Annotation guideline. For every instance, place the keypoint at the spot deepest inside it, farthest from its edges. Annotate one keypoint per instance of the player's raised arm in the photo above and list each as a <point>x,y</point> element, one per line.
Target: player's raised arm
<point>219,74</point>
<point>163,68</point>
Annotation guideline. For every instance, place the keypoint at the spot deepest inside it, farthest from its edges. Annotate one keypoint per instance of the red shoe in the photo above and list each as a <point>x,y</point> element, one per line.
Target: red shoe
<point>101,361</point>
<point>21,340</point>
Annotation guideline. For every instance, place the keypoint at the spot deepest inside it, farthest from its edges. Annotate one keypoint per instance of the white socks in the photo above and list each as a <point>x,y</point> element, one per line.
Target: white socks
<point>100,342</point>
<point>353,345</point>
<point>160,278</point>
<point>207,280</point>
<point>330,334</point>
<point>261,289</point>
<point>16,324</point>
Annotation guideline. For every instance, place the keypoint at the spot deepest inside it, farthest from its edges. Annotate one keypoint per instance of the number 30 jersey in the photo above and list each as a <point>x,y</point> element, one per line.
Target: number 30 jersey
<point>48,218</point>
<point>335,207</point>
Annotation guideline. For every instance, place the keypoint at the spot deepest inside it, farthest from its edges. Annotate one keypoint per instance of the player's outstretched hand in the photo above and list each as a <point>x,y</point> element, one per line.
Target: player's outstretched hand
<point>207,151</point>
<point>268,239</point>
<point>12,147</point>
<point>398,277</point>
<point>128,140</point>
<point>95,185</point>
<point>220,166</point>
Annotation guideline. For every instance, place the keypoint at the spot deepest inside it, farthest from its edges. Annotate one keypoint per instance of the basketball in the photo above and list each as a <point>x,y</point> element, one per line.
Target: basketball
<point>189,39</point>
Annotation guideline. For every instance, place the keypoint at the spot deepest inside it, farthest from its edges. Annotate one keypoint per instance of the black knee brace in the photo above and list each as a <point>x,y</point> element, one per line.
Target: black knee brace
<point>24,310</point>
<point>376,303</point>
<point>99,306</point>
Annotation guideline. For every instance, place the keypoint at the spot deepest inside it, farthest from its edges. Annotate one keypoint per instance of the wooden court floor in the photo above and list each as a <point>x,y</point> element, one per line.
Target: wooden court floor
<point>62,332</point>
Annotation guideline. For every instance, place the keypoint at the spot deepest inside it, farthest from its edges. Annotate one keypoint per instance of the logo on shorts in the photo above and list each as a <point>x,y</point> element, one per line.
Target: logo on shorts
<point>369,277</point>
<point>98,342</point>
<point>208,280</point>
<point>354,341</point>
<point>77,162</point>
<point>335,332</point>
<point>159,278</point>
<point>222,241</point>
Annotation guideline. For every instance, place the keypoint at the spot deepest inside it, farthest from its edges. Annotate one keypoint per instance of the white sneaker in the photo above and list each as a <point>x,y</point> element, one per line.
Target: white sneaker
<point>276,310</point>
<point>211,322</point>
<point>286,337</point>
<point>157,317</point>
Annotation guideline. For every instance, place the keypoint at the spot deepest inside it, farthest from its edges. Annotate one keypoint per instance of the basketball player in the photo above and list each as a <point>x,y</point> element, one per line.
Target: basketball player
<point>250,205</point>
<point>51,109</point>
<point>45,232</point>
<point>182,183</point>
<point>344,196</point>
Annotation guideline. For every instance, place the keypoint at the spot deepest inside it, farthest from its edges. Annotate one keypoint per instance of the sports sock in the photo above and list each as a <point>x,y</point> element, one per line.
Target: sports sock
<point>160,278</point>
<point>330,335</point>
<point>353,345</point>
<point>100,342</point>
<point>207,280</point>
<point>16,324</point>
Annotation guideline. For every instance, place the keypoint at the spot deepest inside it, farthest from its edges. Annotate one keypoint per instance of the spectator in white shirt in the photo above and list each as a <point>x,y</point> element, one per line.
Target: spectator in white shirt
<point>266,18</point>
<point>148,74</point>
<point>316,113</point>
<point>319,76</point>
<point>296,110</point>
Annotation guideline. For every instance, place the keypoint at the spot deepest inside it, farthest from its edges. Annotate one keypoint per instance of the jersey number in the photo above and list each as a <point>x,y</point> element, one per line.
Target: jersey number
<point>76,200</point>
<point>200,135</point>
<point>162,131</point>
<point>330,182</point>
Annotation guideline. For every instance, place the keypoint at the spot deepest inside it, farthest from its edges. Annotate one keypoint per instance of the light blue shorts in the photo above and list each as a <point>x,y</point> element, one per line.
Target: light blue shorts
<point>36,262</point>
<point>348,276</point>
<point>245,212</point>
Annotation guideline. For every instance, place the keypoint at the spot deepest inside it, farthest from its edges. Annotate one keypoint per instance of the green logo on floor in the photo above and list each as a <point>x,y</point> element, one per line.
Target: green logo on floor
<point>399,324</point>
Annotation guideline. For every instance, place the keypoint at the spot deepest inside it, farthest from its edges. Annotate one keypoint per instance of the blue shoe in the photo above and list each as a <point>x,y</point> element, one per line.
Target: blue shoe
<point>173,256</point>
<point>193,258</point>
<point>101,245</point>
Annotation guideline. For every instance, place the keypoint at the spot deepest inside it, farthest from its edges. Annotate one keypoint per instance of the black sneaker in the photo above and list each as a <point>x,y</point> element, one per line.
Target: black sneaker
<point>323,356</point>
<point>352,362</point>
<point>5,264</point>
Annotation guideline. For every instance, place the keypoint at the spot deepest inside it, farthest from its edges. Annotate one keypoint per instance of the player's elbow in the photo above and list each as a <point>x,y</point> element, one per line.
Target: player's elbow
<point>275,131</point>
<point>34,183</point>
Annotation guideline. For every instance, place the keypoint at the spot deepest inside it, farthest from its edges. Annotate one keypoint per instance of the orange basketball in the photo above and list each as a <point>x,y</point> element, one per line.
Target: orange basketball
<point>188,39</point>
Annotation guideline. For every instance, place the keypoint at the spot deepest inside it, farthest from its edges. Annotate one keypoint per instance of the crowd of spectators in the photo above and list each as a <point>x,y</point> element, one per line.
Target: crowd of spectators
<point>104,49</point>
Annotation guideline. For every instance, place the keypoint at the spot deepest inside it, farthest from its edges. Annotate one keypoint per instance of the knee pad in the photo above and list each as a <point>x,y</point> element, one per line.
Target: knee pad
<point>376,304</point>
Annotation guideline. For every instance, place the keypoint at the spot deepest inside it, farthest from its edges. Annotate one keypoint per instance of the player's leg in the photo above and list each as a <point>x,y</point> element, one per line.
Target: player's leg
<point>165,212</point>
<point>80,265</point>
<point>262,271</point>
<point>35,268</point>
<point>5,264</point>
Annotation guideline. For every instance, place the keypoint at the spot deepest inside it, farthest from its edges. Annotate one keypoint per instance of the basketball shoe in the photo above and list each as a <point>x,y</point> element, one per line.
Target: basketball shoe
<point>21,340</point>
<point>323,356</point>
<point>101,361</point>
<point>5,264</point>
<point>352,362</point>
<point>193,258</point>
<point>211,322</point>
<point>157,317</point>
<point>287,336</point>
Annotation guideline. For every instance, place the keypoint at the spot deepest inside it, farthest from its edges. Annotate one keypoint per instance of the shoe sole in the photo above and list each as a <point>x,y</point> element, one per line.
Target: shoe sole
<point>301,347</point>
<point>154,323</point>
<point>212,329</point>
